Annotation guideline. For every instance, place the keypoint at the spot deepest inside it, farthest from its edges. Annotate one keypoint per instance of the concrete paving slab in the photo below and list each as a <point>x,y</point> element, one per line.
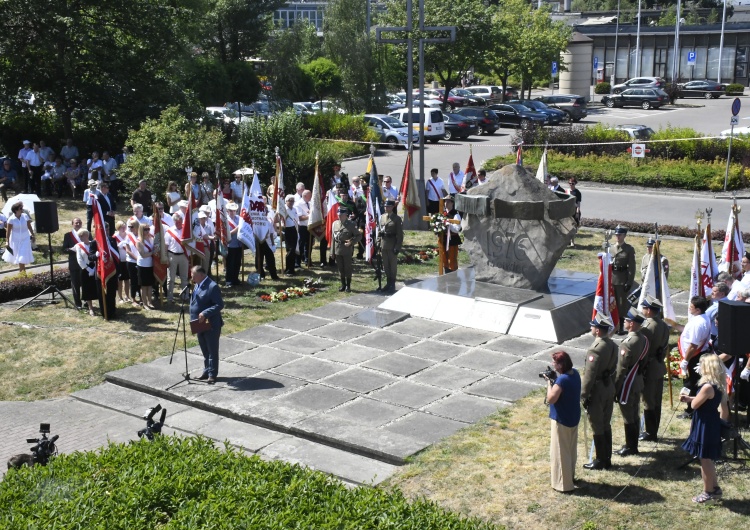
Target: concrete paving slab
<point>375,317</point>
<point>584,341</point>
<point>127,400</point>
<point>398,364</point>
<point>309,368</point>
<point>157,375</point>
<point>448,376</point>
<point>241,434</point>
<point>484,360</point>
<point>466,336</point>
<point>315,397</point>
<point>409,394</point>
<point>193,420</point>
<point>434,350</point>
<point>227,347</point>
<point>528,371</point>
<point>264,357</point>
<point>262,335</point>
<point>305,344</point>
<point>335,311</point>
<point>368,412</point>
<point>359,380</point>
<point>420,327</point>
<point>577,355</point>
<point>299,323</point>
<point>499,387</point>
<point>250,391</point>
<point>190,391</point>
<point>350,354</point>
<point>342,464</point>
<point>516,346</point>
<point>465,408</point>
<point>425,427</point>
<point>340,331</point>
<point>385,340</point>
<point>276,415</point>
<point>366,299</point>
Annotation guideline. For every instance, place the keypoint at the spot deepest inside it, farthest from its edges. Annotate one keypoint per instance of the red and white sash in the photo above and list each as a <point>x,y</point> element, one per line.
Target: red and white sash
<point>174,236</point>
<point>437,194</point>
<point>455,186</point>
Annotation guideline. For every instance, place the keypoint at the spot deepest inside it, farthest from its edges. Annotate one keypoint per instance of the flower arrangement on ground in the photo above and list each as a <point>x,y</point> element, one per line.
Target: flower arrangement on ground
<point>289,293</point>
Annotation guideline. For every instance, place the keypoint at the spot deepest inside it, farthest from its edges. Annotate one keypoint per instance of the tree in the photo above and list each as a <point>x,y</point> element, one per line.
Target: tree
<point>326,77</point>
<point>285,52</point>
<point>449,61</point>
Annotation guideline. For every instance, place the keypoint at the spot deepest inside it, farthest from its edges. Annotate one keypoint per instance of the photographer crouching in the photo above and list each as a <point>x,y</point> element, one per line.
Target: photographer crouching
<point>564,398</point>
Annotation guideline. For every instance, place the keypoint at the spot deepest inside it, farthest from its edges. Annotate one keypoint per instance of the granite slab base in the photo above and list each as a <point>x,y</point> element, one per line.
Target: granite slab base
<point>556,314</point>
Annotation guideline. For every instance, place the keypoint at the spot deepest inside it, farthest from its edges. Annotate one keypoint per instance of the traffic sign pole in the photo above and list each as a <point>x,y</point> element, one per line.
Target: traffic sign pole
<point>736,105</point>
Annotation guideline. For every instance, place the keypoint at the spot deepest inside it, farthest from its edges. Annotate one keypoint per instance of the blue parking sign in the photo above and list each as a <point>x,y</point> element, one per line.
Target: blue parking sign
<point>596,62</point>
<point>554,68</point>
<point>691,58</point>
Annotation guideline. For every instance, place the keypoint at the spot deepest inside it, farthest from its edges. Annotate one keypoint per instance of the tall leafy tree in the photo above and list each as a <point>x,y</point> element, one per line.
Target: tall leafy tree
<point>325,76</point>
<point>238,29</point>
<point>285,52</point>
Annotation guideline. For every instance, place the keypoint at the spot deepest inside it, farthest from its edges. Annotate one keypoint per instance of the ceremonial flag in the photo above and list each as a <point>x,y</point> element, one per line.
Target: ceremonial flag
<point>316,221</point>
<point>279,206</point>
<point>604,300</point>
<point>332,215</point>
<point>371,221</point>
<point>375,191</point>
<point>188,240</point>
<point>519,154</point>
<point>542,173</point>
<point>708,263</point>
<point>245,233</point>
<point>258,210</point>
<point>160,258</point>
<point>221,223</point>
<point>696,284</point>
<point>106,266</point>
<point>734,247</point>
<point>655,283</point>
<point>470,175</point>
<point>408,191</point>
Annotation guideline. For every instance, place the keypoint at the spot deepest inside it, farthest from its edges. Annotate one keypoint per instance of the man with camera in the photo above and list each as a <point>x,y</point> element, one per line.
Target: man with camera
<point>598,390</point>
<point>657,333</point>
<point>629,380</point>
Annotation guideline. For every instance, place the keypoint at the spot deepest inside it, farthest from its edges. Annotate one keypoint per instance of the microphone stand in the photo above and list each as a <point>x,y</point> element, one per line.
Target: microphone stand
<point>182,321</point>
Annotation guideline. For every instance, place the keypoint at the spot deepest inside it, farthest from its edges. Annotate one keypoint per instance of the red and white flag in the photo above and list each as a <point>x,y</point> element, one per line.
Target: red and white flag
<point>187,237</point>
<point>332,215</point>
<point>106,263</point>
<point>409,194</point>
<point>734,248</point>
<point>696,279</point>
<point>709,269</point>
<point>470,175</point>
<point>655,283</point>
<point>245,232</point>
<point>316,221</point>
<point>605,304</point>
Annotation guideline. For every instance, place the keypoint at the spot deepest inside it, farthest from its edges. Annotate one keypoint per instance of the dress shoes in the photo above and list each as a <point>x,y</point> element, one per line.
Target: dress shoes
<point>596,465</point>
<point>626,451</point>
<point>202,377</point>
<point>211,380</point>
<point>646,437</point>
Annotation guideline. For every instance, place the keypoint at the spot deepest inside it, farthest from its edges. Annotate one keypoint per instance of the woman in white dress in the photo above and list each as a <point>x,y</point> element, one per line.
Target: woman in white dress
<point>173,197</point>
<point>19,236</point>
<point>145,264</point>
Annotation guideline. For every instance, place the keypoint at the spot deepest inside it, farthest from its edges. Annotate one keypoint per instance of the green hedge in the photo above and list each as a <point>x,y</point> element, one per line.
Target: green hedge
<point>623,169</point>
<point>25,286</point>
<point>187,483</point>
<point>735,88</point>
<point>648,228</point>
<point>602,88</point>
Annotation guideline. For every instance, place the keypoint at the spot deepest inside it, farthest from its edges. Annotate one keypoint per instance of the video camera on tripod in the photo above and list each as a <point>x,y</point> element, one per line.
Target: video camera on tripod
<point>152,427</point>
<point>40,453</point>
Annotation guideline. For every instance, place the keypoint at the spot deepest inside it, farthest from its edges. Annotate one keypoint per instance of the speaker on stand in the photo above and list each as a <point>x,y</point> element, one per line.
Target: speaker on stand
<point>45,217</point>
<point>735,341</point>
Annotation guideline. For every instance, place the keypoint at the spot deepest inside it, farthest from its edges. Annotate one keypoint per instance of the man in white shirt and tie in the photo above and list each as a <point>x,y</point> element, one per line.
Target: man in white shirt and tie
<point>435,190</point>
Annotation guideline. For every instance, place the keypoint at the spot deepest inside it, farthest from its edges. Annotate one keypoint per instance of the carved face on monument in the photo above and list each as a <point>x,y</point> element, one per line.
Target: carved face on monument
<point>515,228</point>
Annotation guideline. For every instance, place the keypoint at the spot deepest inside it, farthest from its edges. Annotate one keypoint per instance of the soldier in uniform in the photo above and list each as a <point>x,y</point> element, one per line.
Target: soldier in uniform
<point>598,390</point>
<point>646,259</point>
<point>629,380</point>
<point>391,239</point>
<point>623,274</point>
<point>345,238</point>
<point>657,333</point>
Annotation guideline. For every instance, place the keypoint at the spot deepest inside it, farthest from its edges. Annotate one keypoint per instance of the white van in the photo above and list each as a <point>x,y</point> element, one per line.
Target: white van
<point>434,126</point>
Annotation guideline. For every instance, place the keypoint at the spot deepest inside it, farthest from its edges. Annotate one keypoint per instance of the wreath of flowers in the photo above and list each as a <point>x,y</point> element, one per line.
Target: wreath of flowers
<point>421,256</point>
<point>674,363</point>
<point>289,293</point>
<point>438,223</point>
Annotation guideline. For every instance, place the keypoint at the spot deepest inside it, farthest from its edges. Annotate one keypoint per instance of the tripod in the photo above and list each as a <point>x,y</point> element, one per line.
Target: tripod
<point>181,321</point>
<point>51,287</point>
<point>739,442</point>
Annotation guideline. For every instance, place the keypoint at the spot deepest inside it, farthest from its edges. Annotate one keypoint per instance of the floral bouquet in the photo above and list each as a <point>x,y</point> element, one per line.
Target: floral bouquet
<point>438,223</point>
<point>674,363</point>
<point>285,294</point>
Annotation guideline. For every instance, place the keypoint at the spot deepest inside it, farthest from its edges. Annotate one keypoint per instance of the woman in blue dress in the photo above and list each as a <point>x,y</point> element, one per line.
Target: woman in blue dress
<point>704,441</point>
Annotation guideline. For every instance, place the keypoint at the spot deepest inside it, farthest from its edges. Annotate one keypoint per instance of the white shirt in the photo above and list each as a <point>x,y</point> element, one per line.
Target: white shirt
<point>303,208</point>
<point>739,285</point>
<point>22,155</point>
<point>92,166</point>
<point>236,188</point>
<point>390,193</point>
<point>292,219</point>
<point>46,151</point>
<point>109,166</point>
<point>144,220</point>
<point>87,193</point>
<point>480,182</point>
<point>297,199</point>
<point>434,189</point>
<point>34,159</point>
<point>68,152</point>
<point>697,331</point>
<point>173,245</point>
<point>455,182</point>
<point>166,219</point>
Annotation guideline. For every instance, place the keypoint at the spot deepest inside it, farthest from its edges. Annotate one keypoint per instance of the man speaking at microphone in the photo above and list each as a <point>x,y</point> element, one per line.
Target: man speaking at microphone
<point>205,307</point>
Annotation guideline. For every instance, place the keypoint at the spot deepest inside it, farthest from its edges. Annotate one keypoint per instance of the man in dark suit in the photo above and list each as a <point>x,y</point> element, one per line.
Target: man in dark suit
<point>206,305</point>
<point>70,240</point>
<point>109,208</point>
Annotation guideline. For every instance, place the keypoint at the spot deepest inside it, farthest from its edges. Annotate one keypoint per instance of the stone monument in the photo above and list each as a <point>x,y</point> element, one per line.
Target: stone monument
<point>515,229</point>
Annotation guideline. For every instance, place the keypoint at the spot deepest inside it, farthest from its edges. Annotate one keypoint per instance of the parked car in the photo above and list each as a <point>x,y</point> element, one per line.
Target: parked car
<point>392,130</point>
<point>327,106</point>
<point>395,102</point>
<point>702,88</point>
<point>646,98</point>
<point>223,114</point>
<point>516,115</point>
<point>738,131</point>
<point>416,97</point>
<point>471,99</point>
<point>452,102</point>
<point>572,104</point>
<point>458,126</point>
<point>636,132</point>
<point>491,93</point>
<point>487,120</point>
<point>434,126</point>
<point>640,82</point>
<point>555,116</point>
<point>302,109</point>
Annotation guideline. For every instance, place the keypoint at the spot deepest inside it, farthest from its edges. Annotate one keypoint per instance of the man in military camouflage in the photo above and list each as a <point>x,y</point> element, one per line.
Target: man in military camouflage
<point>623,273</point>
<point>390,241</point>
<point>598,390</point>
<point>657,333</point>
<point>629,380</point>
<point>345,239</point>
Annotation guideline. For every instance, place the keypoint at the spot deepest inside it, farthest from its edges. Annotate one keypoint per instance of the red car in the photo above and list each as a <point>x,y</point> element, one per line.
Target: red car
<point>454,102</point>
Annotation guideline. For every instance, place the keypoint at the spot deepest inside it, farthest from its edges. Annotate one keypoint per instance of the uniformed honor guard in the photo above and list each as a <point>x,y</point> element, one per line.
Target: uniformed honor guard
<point>391,239</point>
<point>629,380</point>
<point>598,390</point>
<point>623,274</point>
<point>345,238</point>
<point>657,333</point>
<point>646,259</point>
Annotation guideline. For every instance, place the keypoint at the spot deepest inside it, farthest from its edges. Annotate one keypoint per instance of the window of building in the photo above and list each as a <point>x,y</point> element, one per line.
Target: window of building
<point>740,64</point>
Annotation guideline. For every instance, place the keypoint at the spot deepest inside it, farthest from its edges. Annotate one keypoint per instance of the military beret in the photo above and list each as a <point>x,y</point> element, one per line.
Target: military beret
<point>635,316</point>
<point>619,229</point>
<point>601,321</point>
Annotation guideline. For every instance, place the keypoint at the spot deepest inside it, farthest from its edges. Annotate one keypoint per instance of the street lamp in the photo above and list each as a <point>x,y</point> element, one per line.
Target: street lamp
<point>721,41</point>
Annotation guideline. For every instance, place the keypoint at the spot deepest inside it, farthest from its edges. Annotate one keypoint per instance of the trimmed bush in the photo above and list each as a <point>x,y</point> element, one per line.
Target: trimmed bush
<point>602,88</point>
<point>339,126</point>
<point>20,287</point>
<point>187,483</point>
<point>648,228</point>
<point>735,88</point>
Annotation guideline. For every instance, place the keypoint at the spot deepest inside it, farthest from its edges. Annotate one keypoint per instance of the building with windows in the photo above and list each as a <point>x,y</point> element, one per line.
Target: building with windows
<point>292,12</point>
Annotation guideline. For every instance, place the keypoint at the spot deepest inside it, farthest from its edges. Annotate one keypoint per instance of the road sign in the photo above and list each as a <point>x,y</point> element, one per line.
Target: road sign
<point>736,104</point>
<point>734,120</point>
<point>639,150</point>
<point>554,68</point>
<point>596,62</point>
<point>691,58</point>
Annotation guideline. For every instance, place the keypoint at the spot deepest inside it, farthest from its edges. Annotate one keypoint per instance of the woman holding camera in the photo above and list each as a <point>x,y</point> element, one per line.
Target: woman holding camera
<point>564,398</point>
<point>704,441</point>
